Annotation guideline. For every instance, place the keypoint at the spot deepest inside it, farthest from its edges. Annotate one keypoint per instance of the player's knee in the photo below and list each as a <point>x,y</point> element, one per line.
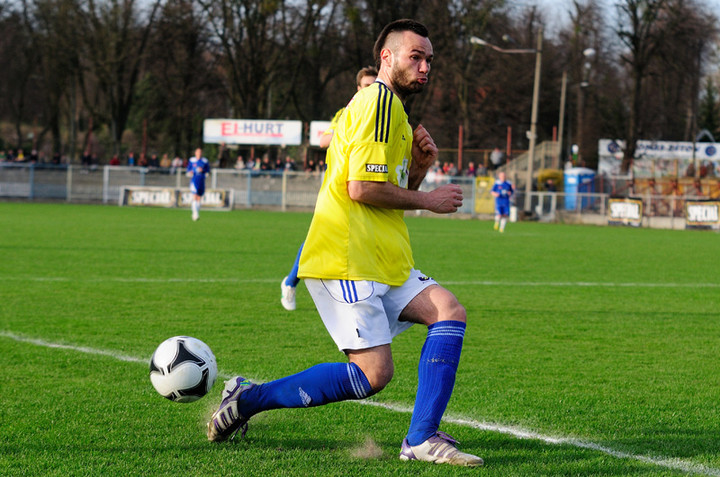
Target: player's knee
<point>379,376</point>
<point>456,312</point>
<point>450,309</point>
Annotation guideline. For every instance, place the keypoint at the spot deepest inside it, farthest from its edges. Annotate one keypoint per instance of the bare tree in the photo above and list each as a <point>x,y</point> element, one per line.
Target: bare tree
<point>114,39</point>
<point>642,32</point>
<point>53,27</point>
<point>677,73</point>
<point>251,40</point>
<point>181,84</point>
<point>18,62</point>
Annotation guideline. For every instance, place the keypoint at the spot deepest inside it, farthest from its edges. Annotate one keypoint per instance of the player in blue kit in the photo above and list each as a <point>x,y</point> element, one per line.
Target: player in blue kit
<point>198,168</point>
<point>502,190</point>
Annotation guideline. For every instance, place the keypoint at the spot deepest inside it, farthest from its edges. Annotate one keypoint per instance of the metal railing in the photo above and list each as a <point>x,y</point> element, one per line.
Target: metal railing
<point>285,190</point>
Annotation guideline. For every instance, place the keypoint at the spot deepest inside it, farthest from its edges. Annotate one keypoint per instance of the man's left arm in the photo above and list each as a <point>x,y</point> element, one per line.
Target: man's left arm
<point>424,154</point>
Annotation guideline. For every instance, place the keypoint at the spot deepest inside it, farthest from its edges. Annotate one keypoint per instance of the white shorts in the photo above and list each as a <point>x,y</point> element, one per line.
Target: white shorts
<point>364,314</point>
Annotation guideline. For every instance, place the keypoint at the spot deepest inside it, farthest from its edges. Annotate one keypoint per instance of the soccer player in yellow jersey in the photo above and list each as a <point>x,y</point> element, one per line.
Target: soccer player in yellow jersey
<point>364,78</point>
<point>357,263</point>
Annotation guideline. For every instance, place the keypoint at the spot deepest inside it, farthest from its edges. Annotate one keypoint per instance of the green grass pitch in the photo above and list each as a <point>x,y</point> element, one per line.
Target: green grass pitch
<point>589,350</point>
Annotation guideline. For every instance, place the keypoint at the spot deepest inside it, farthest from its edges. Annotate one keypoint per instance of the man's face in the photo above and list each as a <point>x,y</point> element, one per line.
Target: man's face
<point>366,81</point>
<point>411,58</point>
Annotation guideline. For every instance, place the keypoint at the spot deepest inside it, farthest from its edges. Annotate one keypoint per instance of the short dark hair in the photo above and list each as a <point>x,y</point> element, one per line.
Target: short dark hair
<point>404,24</point>
<point>367,71</point>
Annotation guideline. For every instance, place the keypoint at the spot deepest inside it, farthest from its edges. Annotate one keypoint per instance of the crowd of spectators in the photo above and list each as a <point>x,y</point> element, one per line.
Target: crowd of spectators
<point>90,161</point>
<point>444,172</point>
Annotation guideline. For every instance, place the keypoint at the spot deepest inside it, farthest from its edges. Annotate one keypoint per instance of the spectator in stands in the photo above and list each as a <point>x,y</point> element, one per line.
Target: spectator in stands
<point>311,167</point>
<point>176,164</point>
<point>114,161</point>
<point>289,164</point>
<point>3,156</point>
<point>321,165</point>
<point>154,161</point>
<point>266,165</point>
<point>239,163</point>
<point>165,161</point>
<point>131,159</point>
<point>86,160</point>
<point>279,165</point>
<point>471,170</point>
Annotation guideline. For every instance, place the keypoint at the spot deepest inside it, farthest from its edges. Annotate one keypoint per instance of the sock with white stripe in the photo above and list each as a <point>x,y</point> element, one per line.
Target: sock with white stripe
<point>439,361</point>
<point>321,384</point>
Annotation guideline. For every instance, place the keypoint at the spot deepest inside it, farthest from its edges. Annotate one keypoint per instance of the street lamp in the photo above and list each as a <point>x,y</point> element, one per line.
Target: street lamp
<point>588,53</point>
<point>532,134</point>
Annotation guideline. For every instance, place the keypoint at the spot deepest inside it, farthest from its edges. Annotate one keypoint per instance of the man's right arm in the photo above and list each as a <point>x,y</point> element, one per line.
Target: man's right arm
<point>445,199</point>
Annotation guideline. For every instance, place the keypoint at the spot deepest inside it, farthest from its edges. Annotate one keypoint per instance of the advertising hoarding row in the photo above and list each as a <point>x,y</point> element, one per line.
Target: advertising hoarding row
<point>261,132</point>
<point>146,196</point>
<point>699,214</point>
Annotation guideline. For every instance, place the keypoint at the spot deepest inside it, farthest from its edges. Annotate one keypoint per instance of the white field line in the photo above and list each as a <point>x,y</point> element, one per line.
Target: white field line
<point>519,433</point>
<point>448,282</point>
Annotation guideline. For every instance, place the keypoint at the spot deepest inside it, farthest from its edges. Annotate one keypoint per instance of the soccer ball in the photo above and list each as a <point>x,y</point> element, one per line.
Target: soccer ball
<point>183,369</point>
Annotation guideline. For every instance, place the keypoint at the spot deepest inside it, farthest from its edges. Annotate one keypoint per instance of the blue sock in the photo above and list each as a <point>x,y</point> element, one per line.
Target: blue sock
<point>439,360</point>
<point>292,279</point>
<point>321,384</point>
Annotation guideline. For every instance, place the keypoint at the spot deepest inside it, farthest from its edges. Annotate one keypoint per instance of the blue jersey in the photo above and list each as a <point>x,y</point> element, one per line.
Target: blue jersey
<point>505,191</point>
<point>199,168</point>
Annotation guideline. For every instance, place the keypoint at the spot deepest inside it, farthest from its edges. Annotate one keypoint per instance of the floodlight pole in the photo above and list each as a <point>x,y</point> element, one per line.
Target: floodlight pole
<point>532,134</point>
<point>533,123</point>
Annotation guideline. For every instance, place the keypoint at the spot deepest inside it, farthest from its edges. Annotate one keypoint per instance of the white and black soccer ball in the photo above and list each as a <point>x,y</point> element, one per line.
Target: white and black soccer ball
<point>183,369</point>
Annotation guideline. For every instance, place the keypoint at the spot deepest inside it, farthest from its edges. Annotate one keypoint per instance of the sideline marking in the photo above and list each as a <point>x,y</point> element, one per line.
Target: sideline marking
<point>669,463</point>
<point>442,282</point>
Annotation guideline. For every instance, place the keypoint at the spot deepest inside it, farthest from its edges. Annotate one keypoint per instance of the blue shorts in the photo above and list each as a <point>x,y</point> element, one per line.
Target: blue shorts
<point>503,210</point>
<point>197,189</point>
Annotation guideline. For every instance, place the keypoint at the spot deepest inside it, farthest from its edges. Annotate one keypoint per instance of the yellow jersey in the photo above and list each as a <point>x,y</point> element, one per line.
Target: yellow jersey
<point>334,122</point>
<point>350,240</point>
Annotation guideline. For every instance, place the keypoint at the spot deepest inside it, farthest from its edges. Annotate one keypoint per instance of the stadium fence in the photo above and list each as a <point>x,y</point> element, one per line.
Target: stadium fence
<point>291,190</point>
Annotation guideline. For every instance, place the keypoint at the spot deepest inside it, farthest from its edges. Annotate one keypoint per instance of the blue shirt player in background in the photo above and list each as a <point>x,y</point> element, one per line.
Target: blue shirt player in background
<point>198,168</point>
<point>502,190</point>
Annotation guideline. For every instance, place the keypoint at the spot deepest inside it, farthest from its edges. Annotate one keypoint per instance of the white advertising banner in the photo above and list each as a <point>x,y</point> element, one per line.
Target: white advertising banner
<point>317,128</point>
<point>658,158</point>
<point>149,196</point>
<point>252,131</point>
<point>625,211</point>
<point>702,214</point>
